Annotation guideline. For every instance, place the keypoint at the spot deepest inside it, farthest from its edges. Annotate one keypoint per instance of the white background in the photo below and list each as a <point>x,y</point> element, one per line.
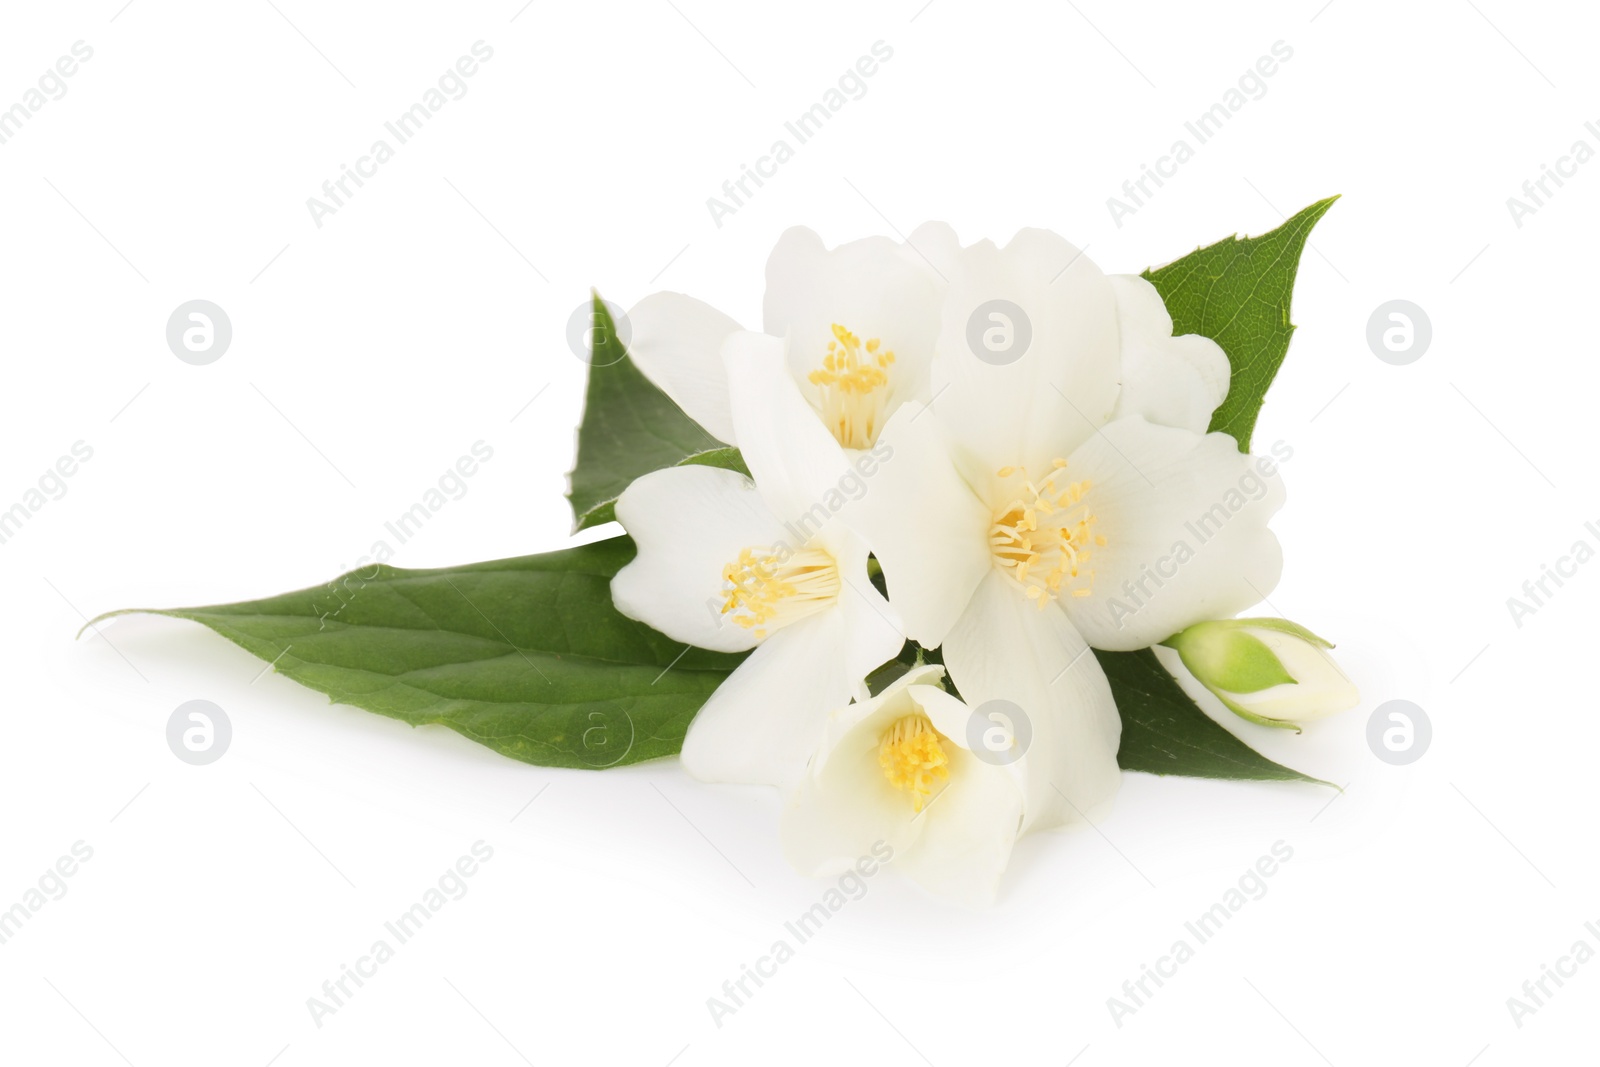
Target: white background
<point>427,313</point>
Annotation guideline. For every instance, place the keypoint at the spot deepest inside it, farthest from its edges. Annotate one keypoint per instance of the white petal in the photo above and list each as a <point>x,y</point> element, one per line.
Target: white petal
<point>834,821</point>
<point>956,847</point>
<point>845,805</point>
<point>689,523</point>
<point>969,829</point>
<point>875,288</point>
<point>1038,407</point>
<point>877,632</point>
<point>763,724</point>
<point>928,530</point>
<point>1006,648</point>
<point>677,343</point>
<point>1170,381</point>
<point>938,246</point>
<point>874,631</point>
<point>874,714</point>
<point>795,461</point>
<point>951,717</point>
<point>1185,522</point>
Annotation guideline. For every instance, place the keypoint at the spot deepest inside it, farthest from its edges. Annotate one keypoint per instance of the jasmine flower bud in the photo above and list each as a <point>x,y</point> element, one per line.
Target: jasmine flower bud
<point>1269,671</point>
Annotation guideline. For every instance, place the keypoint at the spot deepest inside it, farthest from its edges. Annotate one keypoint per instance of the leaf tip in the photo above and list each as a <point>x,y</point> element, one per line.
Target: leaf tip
<point>102,617</point>
<point>1320,208</point>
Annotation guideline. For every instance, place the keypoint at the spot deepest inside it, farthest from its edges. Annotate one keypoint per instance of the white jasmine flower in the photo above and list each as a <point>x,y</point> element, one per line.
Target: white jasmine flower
<point>1020,520</point>
<point>1270,671</point>
<point>728,564</point>
<point>860,322</point>
<point>898,768</point>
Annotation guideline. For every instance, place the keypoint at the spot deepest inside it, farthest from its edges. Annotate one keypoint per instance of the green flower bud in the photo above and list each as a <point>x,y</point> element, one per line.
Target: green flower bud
<point>1269,671</point>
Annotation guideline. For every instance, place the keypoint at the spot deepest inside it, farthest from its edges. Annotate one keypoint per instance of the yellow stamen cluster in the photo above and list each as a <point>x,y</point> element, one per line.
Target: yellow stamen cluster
<point>913,758</point>
<point>1043,537</point>
<point>854,380</point>
<point>766,590</point>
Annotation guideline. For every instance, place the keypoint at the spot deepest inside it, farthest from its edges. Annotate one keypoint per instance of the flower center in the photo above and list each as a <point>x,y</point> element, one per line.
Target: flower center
<point>1042,538</point>
<point>766,591</point>
<point>854,382</point>
<point>913,758</point>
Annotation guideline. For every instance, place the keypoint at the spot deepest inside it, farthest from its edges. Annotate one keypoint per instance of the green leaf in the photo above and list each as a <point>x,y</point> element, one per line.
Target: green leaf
<point>726,458</point>
<point>527,655</point>
<point>887,675</point>
<point>1165,732</point>
<point>629,428</point>
<point>1237,292</point>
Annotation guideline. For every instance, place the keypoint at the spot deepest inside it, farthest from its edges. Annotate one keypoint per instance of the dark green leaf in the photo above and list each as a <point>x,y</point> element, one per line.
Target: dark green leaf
<point>1165,732</point>
<point>525,655</point>
<point>629,428</point>
<point>1237,292</point>
<point>887,675</point>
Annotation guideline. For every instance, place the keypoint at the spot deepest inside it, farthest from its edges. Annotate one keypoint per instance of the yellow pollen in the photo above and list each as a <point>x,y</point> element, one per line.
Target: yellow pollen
<point>1042,538</point>
<point>765,591</point>
<point>854,385</point>
<point>912,755</point>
